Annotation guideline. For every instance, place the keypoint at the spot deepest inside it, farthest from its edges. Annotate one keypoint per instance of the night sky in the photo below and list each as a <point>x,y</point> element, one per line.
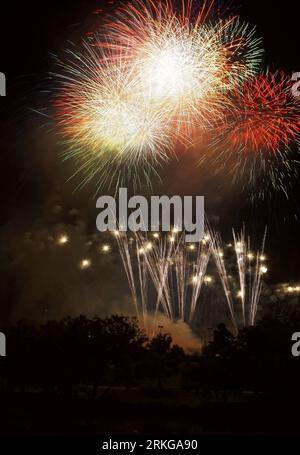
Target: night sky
<point>38,203</point>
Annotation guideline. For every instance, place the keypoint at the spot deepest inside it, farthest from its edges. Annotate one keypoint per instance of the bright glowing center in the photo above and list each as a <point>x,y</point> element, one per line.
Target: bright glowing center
<point>169,72</point>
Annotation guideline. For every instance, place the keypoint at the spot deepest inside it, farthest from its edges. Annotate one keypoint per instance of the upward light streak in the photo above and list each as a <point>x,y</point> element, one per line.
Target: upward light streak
<point>176,273</point>
<point>173,274</point>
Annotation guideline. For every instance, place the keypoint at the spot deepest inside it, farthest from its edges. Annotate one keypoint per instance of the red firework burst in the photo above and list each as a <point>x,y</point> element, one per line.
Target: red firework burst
<point>265,117</point>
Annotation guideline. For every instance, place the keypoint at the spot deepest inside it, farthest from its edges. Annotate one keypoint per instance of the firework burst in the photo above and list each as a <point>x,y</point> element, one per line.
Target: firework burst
<point>185,57</point>
<point>106,127</point>
<point>145,83</point>
<point>256,142</point>
<point>242,49</point>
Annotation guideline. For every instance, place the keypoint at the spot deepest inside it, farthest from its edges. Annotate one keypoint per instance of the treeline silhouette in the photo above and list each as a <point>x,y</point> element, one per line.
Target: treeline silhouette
<point>100,372</point>
<point>60,356</point>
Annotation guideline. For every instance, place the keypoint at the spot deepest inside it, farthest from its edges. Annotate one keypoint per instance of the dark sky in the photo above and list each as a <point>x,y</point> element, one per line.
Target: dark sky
<point>33,183</point>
